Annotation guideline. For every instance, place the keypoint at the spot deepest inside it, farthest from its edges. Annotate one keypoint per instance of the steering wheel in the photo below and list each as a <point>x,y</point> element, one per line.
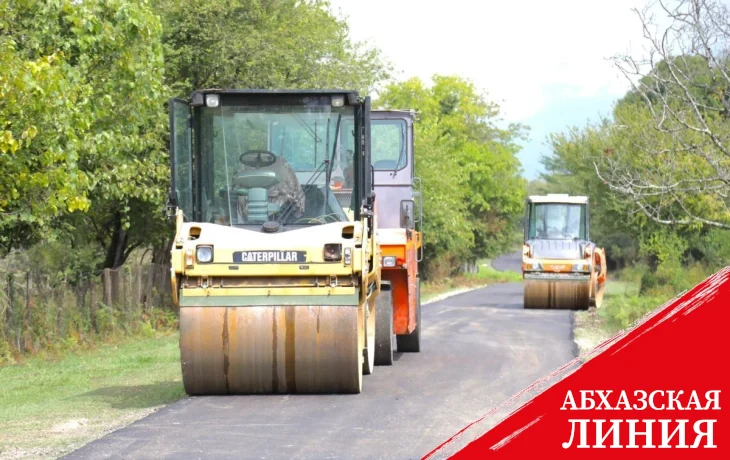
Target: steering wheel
<point>257,158</point>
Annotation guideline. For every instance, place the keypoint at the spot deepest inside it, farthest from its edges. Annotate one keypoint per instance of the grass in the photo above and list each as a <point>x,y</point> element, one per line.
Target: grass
<point>485,276</point>
<point>591,327</point>
<point>51,407</point>
<point>622,306</point>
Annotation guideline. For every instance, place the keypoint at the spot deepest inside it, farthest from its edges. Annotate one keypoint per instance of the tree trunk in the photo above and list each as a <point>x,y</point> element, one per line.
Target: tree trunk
<point>117,250</point>
<point>161,252</point>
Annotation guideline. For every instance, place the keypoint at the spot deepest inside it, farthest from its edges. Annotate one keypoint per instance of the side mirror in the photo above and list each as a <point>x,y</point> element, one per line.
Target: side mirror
<point>407,214</point>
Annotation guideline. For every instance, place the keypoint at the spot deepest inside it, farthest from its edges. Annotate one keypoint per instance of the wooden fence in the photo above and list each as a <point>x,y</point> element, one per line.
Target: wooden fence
<point>36,311</point>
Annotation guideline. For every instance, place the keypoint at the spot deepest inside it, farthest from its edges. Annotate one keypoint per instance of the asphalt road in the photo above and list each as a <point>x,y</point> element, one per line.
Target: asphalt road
<point>478,349</point>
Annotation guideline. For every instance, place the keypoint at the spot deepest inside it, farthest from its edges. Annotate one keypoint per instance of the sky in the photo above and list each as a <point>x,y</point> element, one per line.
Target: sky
<point>545,62</point>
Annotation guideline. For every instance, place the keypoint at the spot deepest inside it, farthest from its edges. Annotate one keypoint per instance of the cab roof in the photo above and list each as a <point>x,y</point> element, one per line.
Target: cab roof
<point>558,198</point>
<point>352,95</point>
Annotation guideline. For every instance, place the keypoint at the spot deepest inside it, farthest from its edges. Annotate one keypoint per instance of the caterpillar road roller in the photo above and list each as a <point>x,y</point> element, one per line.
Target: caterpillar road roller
<point>275,284</point>
<point>561,267</point>
<point>399,213</point>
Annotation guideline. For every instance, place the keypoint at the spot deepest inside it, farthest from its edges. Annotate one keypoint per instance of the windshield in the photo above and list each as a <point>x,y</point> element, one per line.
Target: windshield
<point>388,144</point>
<point>388,139</point>
<point>261,163</point>
<point>557,221</point>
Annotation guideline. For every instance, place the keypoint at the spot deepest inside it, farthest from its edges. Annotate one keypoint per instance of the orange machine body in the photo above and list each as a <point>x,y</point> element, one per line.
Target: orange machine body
<point>403,244</point>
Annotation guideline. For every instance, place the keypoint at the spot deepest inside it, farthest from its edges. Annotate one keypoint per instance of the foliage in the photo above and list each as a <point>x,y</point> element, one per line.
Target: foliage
<point>83,125</point>
<point>472,189</point>
<point>50,309</point>
<point>263,44</point>
<point>673,160</point>
<point>80,104</point>
<point>653,288</point>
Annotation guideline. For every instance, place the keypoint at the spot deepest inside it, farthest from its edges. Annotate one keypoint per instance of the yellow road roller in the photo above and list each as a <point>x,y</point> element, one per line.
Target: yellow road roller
<point>276,286</point>
<point>561,267</point>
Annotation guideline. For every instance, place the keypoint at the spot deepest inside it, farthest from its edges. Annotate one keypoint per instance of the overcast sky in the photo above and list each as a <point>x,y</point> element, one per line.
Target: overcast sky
<point>545,62</point>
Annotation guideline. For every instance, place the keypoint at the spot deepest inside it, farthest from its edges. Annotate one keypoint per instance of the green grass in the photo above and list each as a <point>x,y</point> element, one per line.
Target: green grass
<point>51,407</point>
<point>485,276</point>
<point>622,306</point>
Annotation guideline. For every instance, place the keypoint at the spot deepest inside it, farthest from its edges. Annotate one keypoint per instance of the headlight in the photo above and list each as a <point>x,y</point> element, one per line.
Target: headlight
<point>535,266</point>
<point>332,252</point>
<point>389,261</point>
<point>204,254</point>
<point>348,256</point>
<point>338,101</point>
<point>212,100</point>
<point>581,267</point>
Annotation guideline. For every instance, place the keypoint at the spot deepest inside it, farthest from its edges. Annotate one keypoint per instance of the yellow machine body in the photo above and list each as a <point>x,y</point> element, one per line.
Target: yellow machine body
<point>270,306</point>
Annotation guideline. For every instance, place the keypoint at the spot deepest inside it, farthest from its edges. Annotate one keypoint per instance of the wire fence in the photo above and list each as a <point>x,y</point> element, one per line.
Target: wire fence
<point>37,312</point>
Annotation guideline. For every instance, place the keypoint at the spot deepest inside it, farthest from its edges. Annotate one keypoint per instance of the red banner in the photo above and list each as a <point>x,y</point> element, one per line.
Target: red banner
<point>656,390</point>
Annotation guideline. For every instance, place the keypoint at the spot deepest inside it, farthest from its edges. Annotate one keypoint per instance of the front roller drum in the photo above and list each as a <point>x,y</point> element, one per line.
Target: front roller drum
<point>270,350</point>
<point>557,294</point>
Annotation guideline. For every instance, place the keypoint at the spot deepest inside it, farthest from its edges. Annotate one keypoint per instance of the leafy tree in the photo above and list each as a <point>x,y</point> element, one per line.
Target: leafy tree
<point>473,192</point>
<point>83,128</point>
<point>675,163</point>
<point>81,85</point>
<point>263,44</point>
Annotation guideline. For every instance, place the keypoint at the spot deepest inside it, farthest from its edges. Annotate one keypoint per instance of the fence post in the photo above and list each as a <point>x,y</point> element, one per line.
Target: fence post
<point>60,304</point>
<point>28,303</point>
<point>107,287</point>
<point>92,307</point>
<point>150,287</point>
<point>9,310</point>
<point>138,291</point>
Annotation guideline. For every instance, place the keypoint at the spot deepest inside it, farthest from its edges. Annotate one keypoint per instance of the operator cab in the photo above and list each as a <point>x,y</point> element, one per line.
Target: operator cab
<point>247,157</point>
<point>556,217</point>
<point>392,169</point>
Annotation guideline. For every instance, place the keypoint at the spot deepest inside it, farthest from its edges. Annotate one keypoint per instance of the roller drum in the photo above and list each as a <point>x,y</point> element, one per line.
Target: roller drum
<point>384,329</point>
<point>270,350</point>
<point>557,294</point>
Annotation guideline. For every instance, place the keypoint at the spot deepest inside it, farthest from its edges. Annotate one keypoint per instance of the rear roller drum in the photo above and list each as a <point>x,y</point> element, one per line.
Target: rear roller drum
<point>557,294</point>
<point>411,343</point>
<point>269,350</point>
<point>384,328</point>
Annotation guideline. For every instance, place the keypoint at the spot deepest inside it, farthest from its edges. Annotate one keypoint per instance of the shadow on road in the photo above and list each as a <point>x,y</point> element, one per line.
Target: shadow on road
<point>138,396</point>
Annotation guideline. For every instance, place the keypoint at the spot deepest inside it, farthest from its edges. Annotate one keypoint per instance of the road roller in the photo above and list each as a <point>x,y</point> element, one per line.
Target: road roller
<point>561,267</point>
<point>399,212</point>
<point>276,285</point>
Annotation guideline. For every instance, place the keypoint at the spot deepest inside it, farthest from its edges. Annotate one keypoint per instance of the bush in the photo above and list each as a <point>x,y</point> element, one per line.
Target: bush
<point>657,287</point>
<point>623,310</point>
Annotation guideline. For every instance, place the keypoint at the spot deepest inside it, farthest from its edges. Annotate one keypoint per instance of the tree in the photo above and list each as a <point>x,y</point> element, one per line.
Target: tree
<point>263,44</point>
<point>473,190</point>
<point>673,156</point>
<point>81,90</point>
<point>83,125</point>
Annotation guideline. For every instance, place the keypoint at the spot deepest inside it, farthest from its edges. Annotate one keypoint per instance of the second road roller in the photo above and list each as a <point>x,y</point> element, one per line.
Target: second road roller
<point>276,286</point>
<point>561,267</point>
<point>399,232</point>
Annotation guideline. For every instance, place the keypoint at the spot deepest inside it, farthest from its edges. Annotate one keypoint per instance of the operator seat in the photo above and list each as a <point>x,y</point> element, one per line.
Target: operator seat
<point>286,190</point>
